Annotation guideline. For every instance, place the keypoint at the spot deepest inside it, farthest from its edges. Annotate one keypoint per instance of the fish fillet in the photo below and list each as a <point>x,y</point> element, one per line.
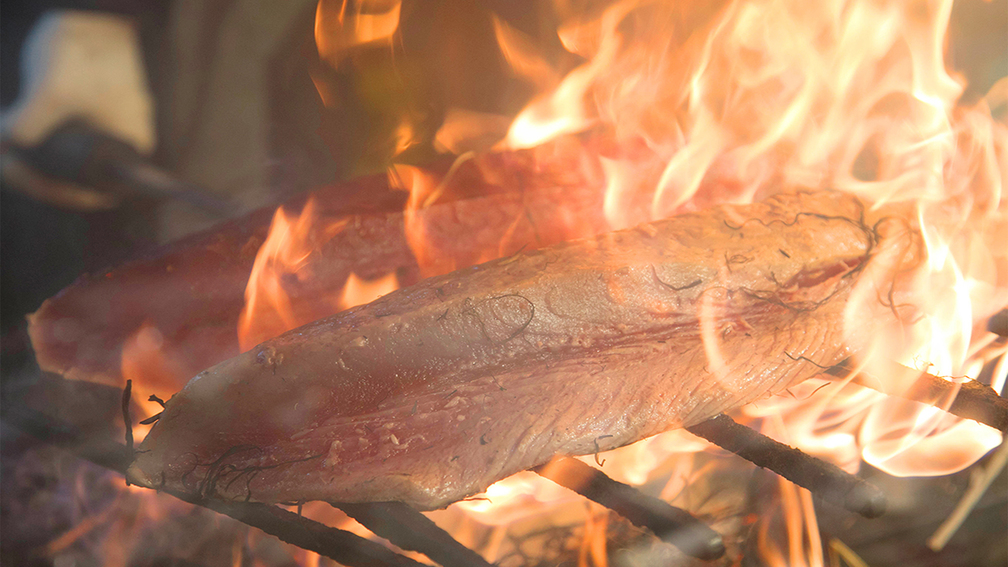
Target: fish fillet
<point>433,392</point>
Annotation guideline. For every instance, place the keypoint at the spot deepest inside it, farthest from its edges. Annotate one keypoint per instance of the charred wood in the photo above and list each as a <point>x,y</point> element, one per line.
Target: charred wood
<point>970,399</point>
<point>998,323</point>
<point>670,524</point>
<point>409,529</point>
<point>823,479</point>
<point>336,544</point>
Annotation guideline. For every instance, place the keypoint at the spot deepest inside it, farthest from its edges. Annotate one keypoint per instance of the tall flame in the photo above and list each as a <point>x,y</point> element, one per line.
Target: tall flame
<point>341,25</point>
<point>728,101</point>
<point>285,264</point>
<point>702,103</point>
<point>679,105</point>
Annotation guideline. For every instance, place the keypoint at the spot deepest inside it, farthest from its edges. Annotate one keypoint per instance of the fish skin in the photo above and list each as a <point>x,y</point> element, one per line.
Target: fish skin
<point>192,291</point>
<point>433,392</point>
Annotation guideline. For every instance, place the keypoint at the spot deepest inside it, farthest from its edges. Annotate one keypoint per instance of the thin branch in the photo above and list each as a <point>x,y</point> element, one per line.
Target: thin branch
<point>127,420</point>
<point>670,524</point>
<point>822,479</point>
<point>411,530</point>
<point>973,400</point>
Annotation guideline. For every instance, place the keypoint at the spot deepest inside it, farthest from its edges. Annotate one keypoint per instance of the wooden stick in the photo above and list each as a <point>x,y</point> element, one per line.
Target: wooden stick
<point>672,525</point>
<point>409,529</point>
<point>998,323</point>
<point>972,400</point>
<point>823,479</point>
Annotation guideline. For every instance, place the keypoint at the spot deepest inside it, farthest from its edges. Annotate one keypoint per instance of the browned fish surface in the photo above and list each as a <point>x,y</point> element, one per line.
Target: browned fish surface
<point>193,291</point>
<point>433,392</point>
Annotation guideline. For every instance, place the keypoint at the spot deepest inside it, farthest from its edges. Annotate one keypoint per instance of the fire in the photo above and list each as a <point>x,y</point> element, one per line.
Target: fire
<point>770,95</point>
<point>424,189</point>
<point>279,295</point>
<point>341,25</point>
<point>513,511</point>
<point>146,363</point>
<point>802,534</point>
<point>434,253</point>
<point>676,106</point>
<point>728,102</point>
<point>358,292</point>
<point>281,264</point>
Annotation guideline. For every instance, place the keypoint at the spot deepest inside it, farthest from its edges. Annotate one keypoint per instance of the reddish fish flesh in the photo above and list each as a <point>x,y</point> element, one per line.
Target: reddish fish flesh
<point>193,291</point>
<point>433,392</point>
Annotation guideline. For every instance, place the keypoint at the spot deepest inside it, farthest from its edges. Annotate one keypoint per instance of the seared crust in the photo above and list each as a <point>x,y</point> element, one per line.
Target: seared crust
<point>433,392</point>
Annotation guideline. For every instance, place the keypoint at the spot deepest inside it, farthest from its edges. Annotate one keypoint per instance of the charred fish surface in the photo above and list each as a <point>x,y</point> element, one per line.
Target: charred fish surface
<point>498,202</point>
<point>435,391</point>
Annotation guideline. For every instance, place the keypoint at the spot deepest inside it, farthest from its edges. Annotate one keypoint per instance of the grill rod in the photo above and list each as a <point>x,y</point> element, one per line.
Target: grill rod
<point>409,529</point>
<point>670,524</point>
<point>967,399</point>
<point>822,479</point>
<point>974,401</point>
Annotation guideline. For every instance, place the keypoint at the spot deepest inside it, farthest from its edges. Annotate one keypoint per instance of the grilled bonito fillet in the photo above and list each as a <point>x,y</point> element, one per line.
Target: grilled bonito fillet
<point>435,391</point>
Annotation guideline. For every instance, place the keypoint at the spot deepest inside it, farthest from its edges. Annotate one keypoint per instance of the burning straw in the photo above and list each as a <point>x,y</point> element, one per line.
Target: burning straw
<point>336,544</point>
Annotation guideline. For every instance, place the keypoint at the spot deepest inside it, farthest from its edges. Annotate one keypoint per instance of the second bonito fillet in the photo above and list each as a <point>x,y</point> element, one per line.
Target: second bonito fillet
<point>433,392</point>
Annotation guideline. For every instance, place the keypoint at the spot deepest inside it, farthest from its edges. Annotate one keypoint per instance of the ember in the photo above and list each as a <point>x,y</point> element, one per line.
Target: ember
<point>858,338</point>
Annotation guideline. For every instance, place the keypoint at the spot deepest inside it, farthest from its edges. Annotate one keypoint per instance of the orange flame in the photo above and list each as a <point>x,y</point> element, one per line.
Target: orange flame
<point>342,25</point>
<point>434,253</point>
<point>284,268</point>
<point>464,131</point>
<point>424,189</point>
<point>152,370</point>
<point>702,103</point>
<point>358,292</point>
<point>281,263</point>
<point>765,95</point>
